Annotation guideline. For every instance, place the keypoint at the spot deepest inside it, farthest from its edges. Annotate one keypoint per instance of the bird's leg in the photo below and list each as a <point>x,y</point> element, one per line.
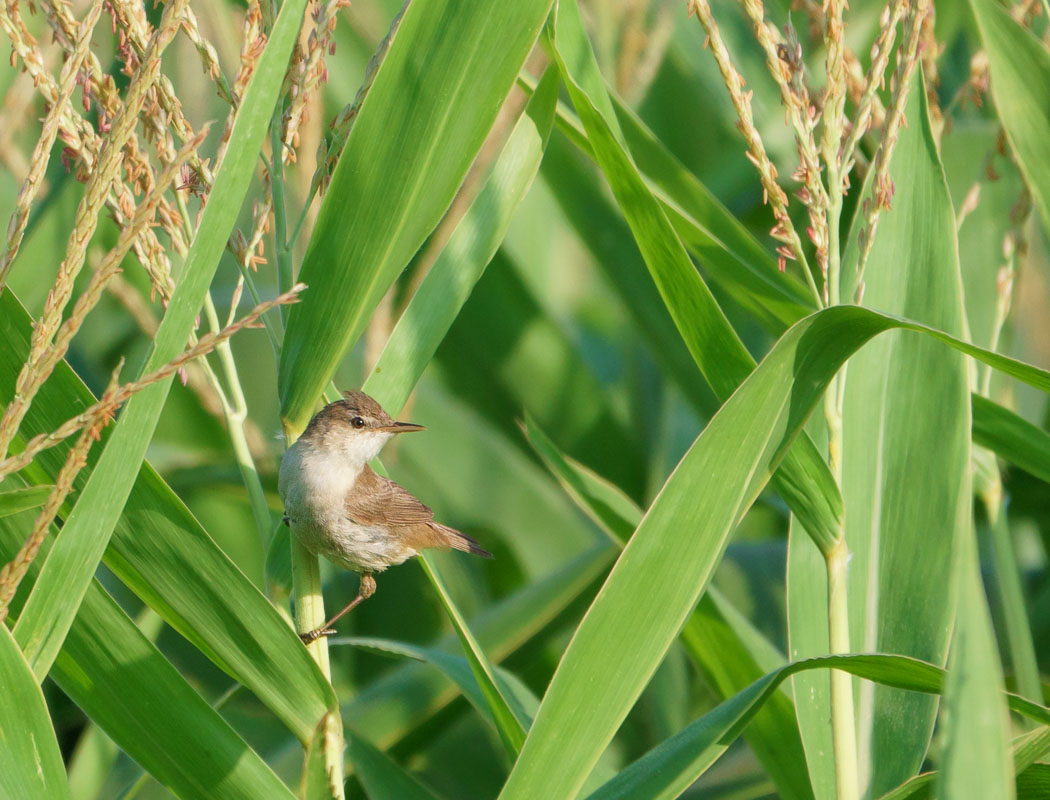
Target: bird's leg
<point>366,590</point>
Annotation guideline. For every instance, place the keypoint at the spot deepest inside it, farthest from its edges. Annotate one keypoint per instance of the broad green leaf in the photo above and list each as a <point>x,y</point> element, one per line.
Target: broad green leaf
<point>510,726</point>
<point>470,248</point>
<point>18,500</point>
<point>727,251</point>
<point>113,672</point>
<point>163,554</point>
<point>975,760</point>
<point>673,766</point>
<point>380,775</point>
<point>68,571</point>
<point>805,483</point>
<point>30,761</point>
<point>1011,437</point>
<point>433,100</point>
<point>460,671</point>
<point>380,712</point>
<point>660,575</point>
<point>1026,749</point>
<point>906,466</point>
<point>724,645</point>
<point>1020,69</point>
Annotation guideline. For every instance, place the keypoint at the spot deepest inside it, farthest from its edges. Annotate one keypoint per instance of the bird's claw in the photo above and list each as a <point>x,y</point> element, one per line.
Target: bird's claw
<point>315,634</point>
<point>285,520</point>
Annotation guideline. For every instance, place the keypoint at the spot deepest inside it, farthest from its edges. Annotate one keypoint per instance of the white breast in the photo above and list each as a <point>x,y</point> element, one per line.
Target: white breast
<point>313,485</point>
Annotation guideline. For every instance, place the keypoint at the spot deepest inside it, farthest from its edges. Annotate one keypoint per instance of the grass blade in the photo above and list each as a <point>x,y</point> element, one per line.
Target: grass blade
<point>905,463</point>
<point>458,60</point>
<point>112,671</point>
<point>1011,437</point>
<point>669,769</point>
<point>18,500</point>
<point>30,762</point>
<point>721,642</point>
<point>462,261</point>
<point>975,761</point>
<point>51,607</point>
<point>214,604</point>
<point>511,728</point>
<point>1020,69</point>
<point>661,574</point>
<point>806,484</point>
<point>379,711</point>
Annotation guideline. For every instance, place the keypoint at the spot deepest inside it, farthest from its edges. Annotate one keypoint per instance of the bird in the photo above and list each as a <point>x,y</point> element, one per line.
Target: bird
<point>340,508</point>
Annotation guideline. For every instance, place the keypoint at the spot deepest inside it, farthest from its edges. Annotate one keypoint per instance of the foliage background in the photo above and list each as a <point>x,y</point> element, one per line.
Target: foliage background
<point>546,335</point>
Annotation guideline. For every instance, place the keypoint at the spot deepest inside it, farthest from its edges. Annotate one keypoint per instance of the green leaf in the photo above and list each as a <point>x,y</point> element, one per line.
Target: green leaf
<point>434,98</point>
<point>975,761</point>
<point>806,484</point>
<point>162,553</point>
<point>113,672</point>
<point>1020,69</point>
<point>511,727</point>
<point>726,249</point>
<point>1011,437</point>
<point>718,638</point>
<point>674,765</point>
<point>18,500</point>
<point>661,574</point>
<point>470,248</point>
<point>380,711</point>
<point>56,596</point>
<point>1026,750</point>
<point>461,672</point>
<point>380,775</point>
<point>30,762</point>
<point>905,466</point>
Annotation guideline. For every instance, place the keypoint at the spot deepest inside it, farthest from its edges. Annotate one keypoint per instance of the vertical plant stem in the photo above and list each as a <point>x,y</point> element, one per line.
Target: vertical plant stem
<point>842,715</point>
<point>309,615</point>
<point>235,410</point>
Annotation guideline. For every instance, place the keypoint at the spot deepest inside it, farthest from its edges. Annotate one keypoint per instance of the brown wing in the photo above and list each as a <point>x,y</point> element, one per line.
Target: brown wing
<point>375,500</point>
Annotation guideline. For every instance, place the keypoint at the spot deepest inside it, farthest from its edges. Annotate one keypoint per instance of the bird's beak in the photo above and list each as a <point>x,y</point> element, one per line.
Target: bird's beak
<point>401,427</point>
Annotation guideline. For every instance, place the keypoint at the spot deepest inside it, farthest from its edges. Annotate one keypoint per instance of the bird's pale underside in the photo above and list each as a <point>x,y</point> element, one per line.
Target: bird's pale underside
<point>341,509</point>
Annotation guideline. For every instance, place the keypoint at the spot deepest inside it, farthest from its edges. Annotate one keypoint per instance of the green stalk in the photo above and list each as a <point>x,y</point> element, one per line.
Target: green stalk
<point>236,413</point>
<point>309,615</point>
<point>842,715</point>
<point>306,568</point>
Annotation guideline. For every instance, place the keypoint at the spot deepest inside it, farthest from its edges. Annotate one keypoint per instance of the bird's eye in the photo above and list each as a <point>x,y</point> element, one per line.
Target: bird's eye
<point>357,422</point>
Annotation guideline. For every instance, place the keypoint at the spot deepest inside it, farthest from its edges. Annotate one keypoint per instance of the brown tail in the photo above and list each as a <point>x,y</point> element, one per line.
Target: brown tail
<point>450,537</point>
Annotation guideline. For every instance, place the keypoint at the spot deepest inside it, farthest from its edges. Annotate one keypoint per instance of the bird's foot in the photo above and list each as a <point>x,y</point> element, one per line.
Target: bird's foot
<point>315,634</point>
<point>285,520</point>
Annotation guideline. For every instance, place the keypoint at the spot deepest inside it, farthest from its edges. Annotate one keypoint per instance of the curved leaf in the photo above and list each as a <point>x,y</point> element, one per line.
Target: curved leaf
<point>661,573</point>
<point>434,98</point>
<point>157,538</point>
<point>804,481</point>
<point>30,762</point>
<point>53,603</point>
<point>669,769</point>
<point>112,671</point>
<point>1020,69</point>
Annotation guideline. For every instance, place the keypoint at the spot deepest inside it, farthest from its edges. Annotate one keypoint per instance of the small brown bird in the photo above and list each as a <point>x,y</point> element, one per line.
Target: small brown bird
<point>341,509</point>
